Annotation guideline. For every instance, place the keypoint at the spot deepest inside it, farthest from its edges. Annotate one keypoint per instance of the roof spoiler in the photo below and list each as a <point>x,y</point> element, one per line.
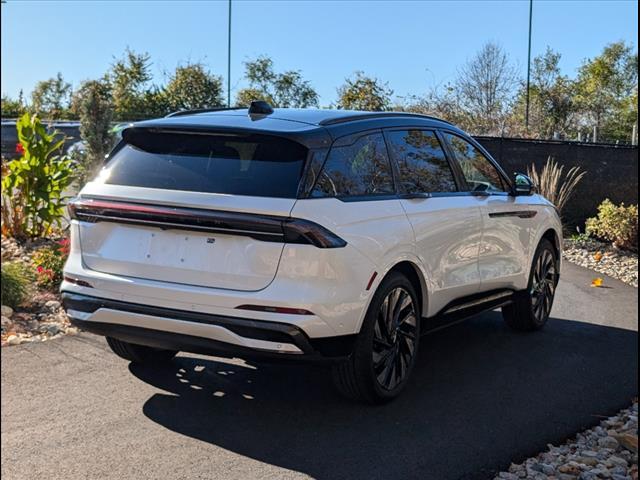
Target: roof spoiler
<point>194,111</point>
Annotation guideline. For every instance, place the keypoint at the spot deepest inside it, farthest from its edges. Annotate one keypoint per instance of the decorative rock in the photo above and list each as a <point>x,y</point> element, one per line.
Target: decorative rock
<point>619,264</point>
<point>617,461</point>
<point>628,441</point>
<point>508,476</point>
<point>608,442</point>
<point>592,455</point>
<point>52,305</point>
<point>7,311</point>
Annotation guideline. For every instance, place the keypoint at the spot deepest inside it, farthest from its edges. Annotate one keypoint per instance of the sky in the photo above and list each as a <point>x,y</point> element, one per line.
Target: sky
<point>412,45</point>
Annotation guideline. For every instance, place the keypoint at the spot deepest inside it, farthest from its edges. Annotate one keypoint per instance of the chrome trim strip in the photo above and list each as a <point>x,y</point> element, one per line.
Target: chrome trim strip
<point>479,301</point>
<point>518,214</point>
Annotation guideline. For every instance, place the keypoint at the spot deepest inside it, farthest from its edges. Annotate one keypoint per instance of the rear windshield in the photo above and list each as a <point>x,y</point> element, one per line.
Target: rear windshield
<point>256,165</point>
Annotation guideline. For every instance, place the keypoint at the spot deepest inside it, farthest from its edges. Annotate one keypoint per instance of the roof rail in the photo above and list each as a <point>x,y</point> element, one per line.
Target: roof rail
<point>373,115</point>
<point>180,113</point>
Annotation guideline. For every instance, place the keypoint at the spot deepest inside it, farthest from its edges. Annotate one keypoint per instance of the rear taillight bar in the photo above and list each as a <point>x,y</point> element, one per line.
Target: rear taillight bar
<point>269,228</point>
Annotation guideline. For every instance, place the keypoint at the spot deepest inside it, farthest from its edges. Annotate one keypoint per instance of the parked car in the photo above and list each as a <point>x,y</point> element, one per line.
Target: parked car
<point>70,130</point>
<point>305,235</point>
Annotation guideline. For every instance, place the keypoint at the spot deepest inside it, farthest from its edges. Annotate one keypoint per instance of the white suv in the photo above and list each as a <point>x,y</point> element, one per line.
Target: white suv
<point>306,235</point>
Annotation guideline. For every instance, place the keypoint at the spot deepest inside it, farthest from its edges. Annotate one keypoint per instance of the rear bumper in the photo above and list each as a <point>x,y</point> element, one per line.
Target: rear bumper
<point>200,332</point>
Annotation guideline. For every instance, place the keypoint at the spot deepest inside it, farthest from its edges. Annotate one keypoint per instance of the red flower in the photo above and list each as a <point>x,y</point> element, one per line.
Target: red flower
<point>19,148</point>
<point>39,269</point>
<point>64,246</point>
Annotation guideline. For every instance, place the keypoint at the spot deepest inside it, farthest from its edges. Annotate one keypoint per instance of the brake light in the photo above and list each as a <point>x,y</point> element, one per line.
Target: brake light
<point>269,228</point>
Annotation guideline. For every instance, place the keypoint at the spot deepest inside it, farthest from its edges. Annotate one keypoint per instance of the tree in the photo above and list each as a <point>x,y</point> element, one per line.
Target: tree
<point>51,97</point>
<point>286,90</point>
<point>129,78</point>
<point>13,108</point>
<point>364,93</point>
<point>96,112</point>
<point>605,89</point>
<point>485,87</point>
<point>551,103</point>
<point>192,86</point>
<point>440,102</point>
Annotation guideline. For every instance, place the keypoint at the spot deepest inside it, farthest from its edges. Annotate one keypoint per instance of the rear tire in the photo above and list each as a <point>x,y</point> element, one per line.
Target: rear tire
<point>386,347</point>
<point>531,308</point>
<point>140,353</point>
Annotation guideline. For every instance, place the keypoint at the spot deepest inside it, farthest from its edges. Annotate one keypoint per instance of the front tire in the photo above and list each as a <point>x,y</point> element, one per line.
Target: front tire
<point>139,353</point>
<point>531,308</point>
<point>387,346</point>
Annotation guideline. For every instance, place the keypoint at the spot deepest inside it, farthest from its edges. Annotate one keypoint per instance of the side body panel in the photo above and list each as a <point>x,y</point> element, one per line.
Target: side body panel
<point>448,233</point>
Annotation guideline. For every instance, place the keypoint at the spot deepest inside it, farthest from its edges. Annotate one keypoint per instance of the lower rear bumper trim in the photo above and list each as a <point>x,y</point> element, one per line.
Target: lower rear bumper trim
<point>199,332</point>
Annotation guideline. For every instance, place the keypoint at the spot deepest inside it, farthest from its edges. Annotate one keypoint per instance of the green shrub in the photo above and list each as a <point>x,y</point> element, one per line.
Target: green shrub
<point>33,185</point>
<point>16,279</point>
<point>49,262</point>
<point>615,223</point>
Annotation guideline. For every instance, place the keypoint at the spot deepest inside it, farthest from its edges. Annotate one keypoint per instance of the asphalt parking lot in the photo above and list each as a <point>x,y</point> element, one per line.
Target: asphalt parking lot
<point>481,397</point>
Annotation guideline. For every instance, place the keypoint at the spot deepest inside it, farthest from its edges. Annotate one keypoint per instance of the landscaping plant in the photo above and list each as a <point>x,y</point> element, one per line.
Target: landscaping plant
<point>617,224</point>
<point>552,185</point>
<point>15,283</point>
<point>49,262</point>
<point>33,184</point>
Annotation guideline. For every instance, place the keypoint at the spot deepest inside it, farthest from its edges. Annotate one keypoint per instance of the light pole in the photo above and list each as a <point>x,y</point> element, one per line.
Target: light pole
<point>229,60</point>
<point>528,65</point>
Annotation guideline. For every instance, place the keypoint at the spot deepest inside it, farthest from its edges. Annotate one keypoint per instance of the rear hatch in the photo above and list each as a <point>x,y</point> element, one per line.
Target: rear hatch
<point>194,208</point>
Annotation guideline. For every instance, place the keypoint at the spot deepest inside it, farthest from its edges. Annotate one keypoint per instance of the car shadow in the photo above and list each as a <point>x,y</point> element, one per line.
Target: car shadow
<point>480,397</point>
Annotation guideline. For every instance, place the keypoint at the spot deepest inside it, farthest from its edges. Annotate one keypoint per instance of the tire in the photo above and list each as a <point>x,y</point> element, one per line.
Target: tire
<point>140,353</point>
<point>531,308</point>
<point>386,348</point>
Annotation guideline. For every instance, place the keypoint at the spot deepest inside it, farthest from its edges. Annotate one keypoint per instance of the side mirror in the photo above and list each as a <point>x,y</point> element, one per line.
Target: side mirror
<point>522,185</point>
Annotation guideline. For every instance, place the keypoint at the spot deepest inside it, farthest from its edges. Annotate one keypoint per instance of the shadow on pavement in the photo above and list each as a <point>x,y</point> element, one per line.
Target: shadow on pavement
<point>481,396</point>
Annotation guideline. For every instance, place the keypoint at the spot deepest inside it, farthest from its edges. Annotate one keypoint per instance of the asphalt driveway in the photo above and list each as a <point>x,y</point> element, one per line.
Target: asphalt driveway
<point>481,396</point>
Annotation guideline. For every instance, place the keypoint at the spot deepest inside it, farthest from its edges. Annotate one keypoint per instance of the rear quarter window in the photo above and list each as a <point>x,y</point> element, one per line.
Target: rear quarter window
<point>253,165</point>
<point>359,169</point>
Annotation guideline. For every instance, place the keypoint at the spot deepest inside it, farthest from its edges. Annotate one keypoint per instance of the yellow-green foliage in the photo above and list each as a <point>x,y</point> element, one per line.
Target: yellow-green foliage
<point>616,223</point>
<point>15,279</point>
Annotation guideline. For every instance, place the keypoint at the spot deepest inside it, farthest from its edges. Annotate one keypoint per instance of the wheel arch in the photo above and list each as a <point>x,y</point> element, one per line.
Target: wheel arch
<point>416,277</point>
<point>414,274</point>
<point>551,235</point>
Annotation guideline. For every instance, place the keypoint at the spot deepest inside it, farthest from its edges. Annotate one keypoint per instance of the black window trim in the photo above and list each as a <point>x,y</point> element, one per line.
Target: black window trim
<point>461,183</point>
<point>448,157</point>
<point>487,155</point>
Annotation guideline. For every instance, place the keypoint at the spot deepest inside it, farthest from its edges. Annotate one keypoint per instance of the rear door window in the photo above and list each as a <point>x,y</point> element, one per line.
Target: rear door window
<point>359,169</point>
<point>254,165</point>
<point>422,164</point>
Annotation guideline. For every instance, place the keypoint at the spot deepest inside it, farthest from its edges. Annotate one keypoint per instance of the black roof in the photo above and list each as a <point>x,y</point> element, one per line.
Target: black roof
<point>310,126</point>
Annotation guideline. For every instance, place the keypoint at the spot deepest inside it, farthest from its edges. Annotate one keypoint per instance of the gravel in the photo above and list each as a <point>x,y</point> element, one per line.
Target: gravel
<point>603,258</point>
<point>42,317</point>
<point>607,451</point>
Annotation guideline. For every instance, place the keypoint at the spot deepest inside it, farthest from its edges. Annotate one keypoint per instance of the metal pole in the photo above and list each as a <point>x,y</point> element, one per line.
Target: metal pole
<point>529,64</point>
<point>229,60</point>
